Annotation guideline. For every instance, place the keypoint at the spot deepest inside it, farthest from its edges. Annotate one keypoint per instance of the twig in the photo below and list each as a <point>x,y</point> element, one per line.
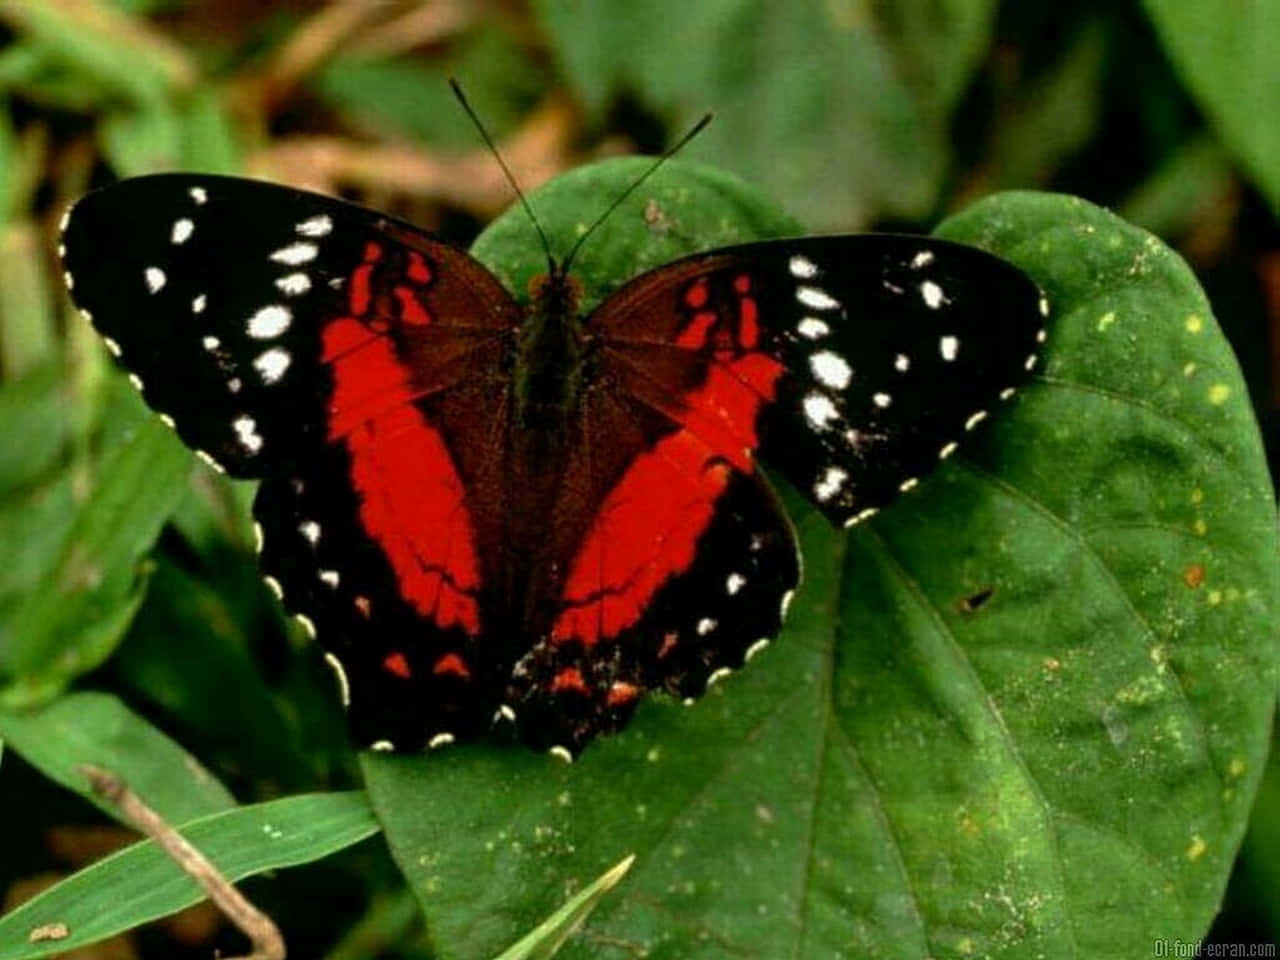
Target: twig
<point>252,922</point>
<point>541,148</point>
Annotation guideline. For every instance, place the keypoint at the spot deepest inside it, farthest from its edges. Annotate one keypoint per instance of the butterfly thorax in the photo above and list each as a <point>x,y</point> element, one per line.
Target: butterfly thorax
<point>549,356</point>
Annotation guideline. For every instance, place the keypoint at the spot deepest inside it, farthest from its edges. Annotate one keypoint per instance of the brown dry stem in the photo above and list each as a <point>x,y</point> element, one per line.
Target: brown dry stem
<point>252,922</point>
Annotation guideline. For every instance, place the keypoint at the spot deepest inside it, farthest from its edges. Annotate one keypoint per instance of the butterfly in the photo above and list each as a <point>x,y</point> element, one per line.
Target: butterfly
<point>515,518</point>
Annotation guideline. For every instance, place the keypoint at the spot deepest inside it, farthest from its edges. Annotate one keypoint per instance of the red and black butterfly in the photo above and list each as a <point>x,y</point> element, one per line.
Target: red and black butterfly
<point>498,515</point>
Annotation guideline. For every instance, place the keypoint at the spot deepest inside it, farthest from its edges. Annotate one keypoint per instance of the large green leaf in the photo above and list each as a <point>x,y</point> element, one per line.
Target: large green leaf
<point>1228,54</point>
<point>1020,714</point>
<point>838,110</point>
<point>141,883</point>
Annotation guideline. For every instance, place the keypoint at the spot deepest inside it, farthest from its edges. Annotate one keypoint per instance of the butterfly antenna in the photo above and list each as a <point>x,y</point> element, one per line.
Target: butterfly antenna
<point>696,129</point>
<point>493,148</point>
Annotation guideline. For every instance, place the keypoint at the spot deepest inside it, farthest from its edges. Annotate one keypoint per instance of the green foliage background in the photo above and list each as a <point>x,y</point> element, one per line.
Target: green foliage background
<point>1072,769</point>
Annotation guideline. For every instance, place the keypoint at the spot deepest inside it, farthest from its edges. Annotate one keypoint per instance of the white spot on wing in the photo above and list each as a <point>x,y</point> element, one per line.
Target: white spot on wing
<point>330,578</point>
<point>197,305</point>
<point>258,538</point>
<point>382,746</point>
<point>816,298</point>
<point>705,626</point>
<point>198,195</point>
<point>310,530</point>
<point>155,279</point>
<point>246,429</point>
<point>1007,392</point>
<point>440,740</point>
<point>317,226</point>
<point>182,230</point>
<point>561,753</point>
<point>344,688</point>
<point>947,450</point>
<point>820,411</point>
<point>718,675</point>
<point>112,346</point>
<point>272,364</point>
<point>504,712</point>
<point>308,624</point>
<point>909,484</point>
<point>296,253</point>
<point>802,268</point>
<point>68,280</point>
<point>866,514</point>
<point>756,648</point>
<point>811,328</point>
<point>211,342</point>
<point>733,583</point>
<point>136,381</point>
<point>922,259</point>
<point>1044,306</point>
<point>831,369</point>
<point>949,346</point>
<point>830,483</point>
<point>274,585</point>
<point>293,284</point>
<point>881,400</point>
<point>975,419</point>
<point>1031,363</point>
<point>167,420</point>
<point>66,218</point>
<point>902,363</point>
<point>932,294</point>
<point>270,321</point>
<point>210,461</point>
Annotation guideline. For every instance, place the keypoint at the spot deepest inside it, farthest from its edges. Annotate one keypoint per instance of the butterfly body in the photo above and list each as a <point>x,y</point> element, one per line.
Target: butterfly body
<point>522,517</point>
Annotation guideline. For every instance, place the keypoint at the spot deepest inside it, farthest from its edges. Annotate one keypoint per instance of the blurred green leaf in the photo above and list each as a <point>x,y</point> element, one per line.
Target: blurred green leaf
<point>96,728</point>
<point>209,620</point>
<point>105,48</point>
<point>142,141</point>
<point>33,409</point>
<point>939,44</point>
<point>208,141</point>
<point>73,620</point>
<point>141,883</point>
<point>28,327</point>
<point>545,941</point>
<point>1228,54</point>
<point>1260,857</point>
<point>809,99</point>
<point>1192,180</point>
<point>411,97</point>
<point>1064,772</point>
<point>1054,117</point>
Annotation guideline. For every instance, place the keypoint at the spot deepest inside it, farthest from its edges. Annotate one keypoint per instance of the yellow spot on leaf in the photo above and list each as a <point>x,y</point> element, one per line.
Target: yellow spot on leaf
<point>1215,597</point>
<point>1197,495</point>
<point>1197,847</point>
<point>1052,664</point>
<point>1189,369</point>
<point>1218,394</point>
<point>1237,766</point>
<point>1194,323</point>
<point>1200,528</point>
<point>1106,320</point>
<point>1193,576</point>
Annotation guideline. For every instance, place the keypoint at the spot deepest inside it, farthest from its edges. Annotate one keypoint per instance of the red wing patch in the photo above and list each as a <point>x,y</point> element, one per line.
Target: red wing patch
<point>647,529</point>
<point>411,497</point>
